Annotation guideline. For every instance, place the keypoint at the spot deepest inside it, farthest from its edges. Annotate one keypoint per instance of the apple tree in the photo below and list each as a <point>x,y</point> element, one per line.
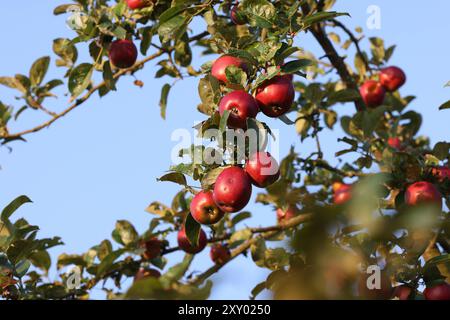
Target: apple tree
<point>373,225</point>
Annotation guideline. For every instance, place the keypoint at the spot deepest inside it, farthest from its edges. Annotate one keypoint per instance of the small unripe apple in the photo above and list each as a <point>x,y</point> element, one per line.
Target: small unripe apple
<point>138,4</point>
<point>423,192</point>
<point>232,190</point>
<point>342,193</point>
<point>441,173</point>
<point>275,96</point>
<point>123,53</point>
<point>220,65</point>
<point>402,292</point>
<point>392,78</point>
<point>146,273</point>
<point>186,246</point>
<point>220,254</point>
<point>262,169</point>
<point>373,93</point>
<point>152,247</point>
<point>241,106</point>
<point>204,210</point>
<point>437,292</point>
<point>395,143</point>
<point>286,215</point>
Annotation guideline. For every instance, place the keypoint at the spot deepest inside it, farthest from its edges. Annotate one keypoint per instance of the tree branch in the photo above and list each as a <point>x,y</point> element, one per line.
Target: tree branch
<point>336,60</point>
<point>265,233</point>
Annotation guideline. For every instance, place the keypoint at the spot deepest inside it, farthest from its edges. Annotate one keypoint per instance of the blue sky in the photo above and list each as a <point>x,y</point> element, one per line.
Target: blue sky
<point>100,163</point>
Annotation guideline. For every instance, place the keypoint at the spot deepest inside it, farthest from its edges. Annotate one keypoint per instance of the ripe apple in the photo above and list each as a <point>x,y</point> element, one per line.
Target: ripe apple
<point>342,192</point>
<point>220,254</point>
<point>123,53</point>
<point>275,96</point>
<point>437,292</point>
<point>373,93</point>
<point>392,78</point>
<point>402,292</point>
<point>241,106</point>
<point>232,189</point>
<point>152,247</point>
<point>146,273</point>
<point>395,143</point>
<point>186,246</point>
<point>204,210</point>
<point>219,66</point>
<point>422,192</point>
<point>441,173</point>
<point>138,4</point>
<point>286,215</point>
<point>262,169</point>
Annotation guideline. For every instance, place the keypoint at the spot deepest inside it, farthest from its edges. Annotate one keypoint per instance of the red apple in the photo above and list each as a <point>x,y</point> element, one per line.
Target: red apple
<point>441,173</point>
<point>286,215</point>
<point>219,66</point>
<point>146,273</point>
<point>152,247</point>
<point>275,96</point>
<point>402,292</point>
<point>220,254</point>
<point>262,169</point>
<point>437,292</point>
<point>204,210</point>
<point>186,246</point>
<point>138,4</point>
<point>241,106</point>
<point>392,78</point>
<point>422,192</point>
<point>232,190</point>
<point>395,143</point>
<point>373,93</point>
<point>342,192</point>
<point>236,16</point>
<point>123,53</point>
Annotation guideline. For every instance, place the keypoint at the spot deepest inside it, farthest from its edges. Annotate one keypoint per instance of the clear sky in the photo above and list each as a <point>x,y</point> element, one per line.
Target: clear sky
<point>100,163</point>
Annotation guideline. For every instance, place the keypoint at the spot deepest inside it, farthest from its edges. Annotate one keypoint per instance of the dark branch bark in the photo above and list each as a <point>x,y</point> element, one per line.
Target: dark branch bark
<point>336,60</point>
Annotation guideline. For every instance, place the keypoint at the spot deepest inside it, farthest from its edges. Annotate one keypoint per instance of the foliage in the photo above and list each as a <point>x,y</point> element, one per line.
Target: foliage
<point>330,244</point>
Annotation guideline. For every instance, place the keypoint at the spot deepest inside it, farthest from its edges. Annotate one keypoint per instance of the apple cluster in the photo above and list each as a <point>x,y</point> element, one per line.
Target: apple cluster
<point>390,79</point>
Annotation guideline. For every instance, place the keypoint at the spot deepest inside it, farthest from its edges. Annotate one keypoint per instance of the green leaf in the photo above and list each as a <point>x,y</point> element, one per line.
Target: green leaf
<point>147,34</point>
<point>257,290</point>
<point>295,65</point>
<point>445,105</point>
<point>108,76</point>
<point>441,150</point>
<point>236,75</point>
<point>172,27</point>
<point>68,259</point>
<point>345,95</point>
<point>108,261</point>
<point>286,120</point>
<point>240,217</point>
<point>224,120</point>
<point>21,268</point>
<point>80,78</point>
<point>13,206</point>
<point>12,83</point>
<point>163,100</point>
<point>176,272</point>
<point>126,231</point>
<point>321,16</point>
<point>38,70</point>
<point>175,177</point>
<point>61,9</point>
<point>437,260</point>
<point>66,50</point>
<point>41,259</point>
<point>192,229</point>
